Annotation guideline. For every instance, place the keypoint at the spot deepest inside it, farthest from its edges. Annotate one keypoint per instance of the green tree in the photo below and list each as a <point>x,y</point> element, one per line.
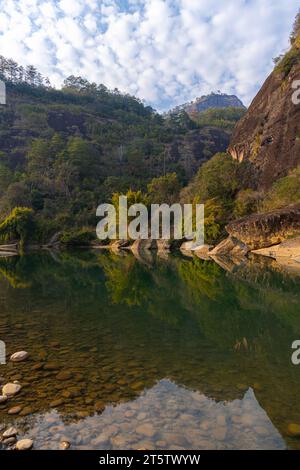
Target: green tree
<point>18,224</point>
<point>164,189</point>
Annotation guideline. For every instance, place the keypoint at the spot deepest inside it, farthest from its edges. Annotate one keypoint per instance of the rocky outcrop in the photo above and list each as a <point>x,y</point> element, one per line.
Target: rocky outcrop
<point>230,247</point>
<point>213,100</point>
<point>268,136</point>
<point>264,230</point>
<point>287,254</point>
<point>287,249</point>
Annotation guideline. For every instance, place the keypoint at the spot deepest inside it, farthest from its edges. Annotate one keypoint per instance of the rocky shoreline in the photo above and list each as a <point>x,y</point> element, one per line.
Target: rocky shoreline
<point>275,234</point>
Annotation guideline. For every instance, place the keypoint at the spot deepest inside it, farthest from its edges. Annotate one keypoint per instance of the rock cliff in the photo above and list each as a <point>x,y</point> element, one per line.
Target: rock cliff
<point>268,135</point>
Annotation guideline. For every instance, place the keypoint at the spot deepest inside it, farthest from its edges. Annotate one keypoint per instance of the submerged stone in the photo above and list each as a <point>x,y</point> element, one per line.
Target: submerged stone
<point>19,356</point>
<point>3,398</point>
<point>64,445</point>
<point>146,429</point>
<point>11,389</point>
<point>24,444</point>
<point>10,432</point>
<point>14,410</point>
<point>294,430</point>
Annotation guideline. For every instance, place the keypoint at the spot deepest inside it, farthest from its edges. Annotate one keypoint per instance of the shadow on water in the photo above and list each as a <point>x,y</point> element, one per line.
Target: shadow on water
<point>170,353</point>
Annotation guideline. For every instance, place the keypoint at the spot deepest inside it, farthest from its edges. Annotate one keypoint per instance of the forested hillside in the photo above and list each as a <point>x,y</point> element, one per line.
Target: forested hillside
<point>63,152</point>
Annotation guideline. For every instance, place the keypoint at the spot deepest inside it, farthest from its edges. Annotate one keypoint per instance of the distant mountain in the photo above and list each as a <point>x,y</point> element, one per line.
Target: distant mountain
<point>213,100</point>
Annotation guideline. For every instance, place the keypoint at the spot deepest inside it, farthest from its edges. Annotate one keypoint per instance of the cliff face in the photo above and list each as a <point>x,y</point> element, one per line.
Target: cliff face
<point>268,135</point>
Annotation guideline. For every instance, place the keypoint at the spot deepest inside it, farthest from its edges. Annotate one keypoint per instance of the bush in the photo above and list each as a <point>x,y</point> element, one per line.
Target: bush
<point>164,189</point>
<point>246,202</point>
<point>18,224</point>
<point>217,178</point>
<point>291,58</point>
<point>82,237</point>
<point>284,191</point>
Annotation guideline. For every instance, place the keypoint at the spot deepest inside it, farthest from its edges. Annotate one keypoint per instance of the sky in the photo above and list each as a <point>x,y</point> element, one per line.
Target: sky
<point>165,52</point>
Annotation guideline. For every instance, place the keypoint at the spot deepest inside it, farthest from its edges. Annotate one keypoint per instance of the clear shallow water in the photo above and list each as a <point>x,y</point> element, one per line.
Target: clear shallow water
<point>152,353</point>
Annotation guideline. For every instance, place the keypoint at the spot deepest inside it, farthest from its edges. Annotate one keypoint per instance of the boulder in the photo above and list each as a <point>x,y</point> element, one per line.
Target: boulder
<point>230,247</point>
<point>287,249</point>
<point>264,230</point>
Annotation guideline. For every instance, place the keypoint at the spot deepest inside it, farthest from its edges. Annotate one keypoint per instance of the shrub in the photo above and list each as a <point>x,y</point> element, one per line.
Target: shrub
<point>81,237</point>
<point>164,189</point>
<point>291,58</point>
<point>18,224</point>
<point>246,202</point>
<point>217,178</point>
<point>284,191</point>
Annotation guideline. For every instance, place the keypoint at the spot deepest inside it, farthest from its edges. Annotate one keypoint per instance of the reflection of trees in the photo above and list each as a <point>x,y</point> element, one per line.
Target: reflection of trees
<point>10,269</point>
<point>127,281</point>
<point>202,279</point>
<point>181,316</point>
<point>249,306</point>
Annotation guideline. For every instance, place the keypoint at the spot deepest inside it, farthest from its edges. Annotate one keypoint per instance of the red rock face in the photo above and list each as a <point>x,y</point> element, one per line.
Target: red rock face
<point>268,135</point>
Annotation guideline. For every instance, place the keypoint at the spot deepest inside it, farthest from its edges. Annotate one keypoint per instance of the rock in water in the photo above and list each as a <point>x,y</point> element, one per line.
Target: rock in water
<point>10,432</point>
<point>9,441</point>
<point>230,247</point>
<point>64,445</point>
<point>19,356</point>
<point>263,230</point>
<point>64,375</point>
<point>146,429</point>
<point>294,430</point>
<point>3,398</point>
<point>24,444</point>
<point>11,389</point>
<point>14,410</point>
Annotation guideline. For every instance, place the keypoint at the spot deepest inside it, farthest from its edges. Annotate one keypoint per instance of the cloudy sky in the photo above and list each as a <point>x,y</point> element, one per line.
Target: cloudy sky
<point>163,51</point>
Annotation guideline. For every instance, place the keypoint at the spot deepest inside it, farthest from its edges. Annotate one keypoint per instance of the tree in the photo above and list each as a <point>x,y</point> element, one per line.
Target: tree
<point>217,178</point>
<point>296,29</point>
<point>164,189</point>
<point>18,223</point>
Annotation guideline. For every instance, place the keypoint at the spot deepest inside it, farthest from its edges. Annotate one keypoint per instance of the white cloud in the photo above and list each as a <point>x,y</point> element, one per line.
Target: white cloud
<point>164,51</point>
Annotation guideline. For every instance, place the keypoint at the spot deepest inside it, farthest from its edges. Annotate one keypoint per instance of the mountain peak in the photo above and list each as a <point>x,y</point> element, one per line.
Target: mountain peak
<point>213,100</point>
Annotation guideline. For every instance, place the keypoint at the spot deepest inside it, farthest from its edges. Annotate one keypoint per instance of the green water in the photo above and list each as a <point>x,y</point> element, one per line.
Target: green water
<point>152,353</point>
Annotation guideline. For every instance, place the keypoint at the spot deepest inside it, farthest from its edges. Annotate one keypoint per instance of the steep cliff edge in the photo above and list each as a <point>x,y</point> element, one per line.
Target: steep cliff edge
<point>268,135</point>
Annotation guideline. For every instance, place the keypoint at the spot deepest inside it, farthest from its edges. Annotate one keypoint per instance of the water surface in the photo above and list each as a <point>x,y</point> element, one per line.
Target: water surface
<point>151,353</point>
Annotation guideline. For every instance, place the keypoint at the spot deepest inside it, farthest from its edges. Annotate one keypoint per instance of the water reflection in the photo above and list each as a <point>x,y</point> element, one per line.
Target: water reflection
<point>179,339</point>
<point>166,416</point>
